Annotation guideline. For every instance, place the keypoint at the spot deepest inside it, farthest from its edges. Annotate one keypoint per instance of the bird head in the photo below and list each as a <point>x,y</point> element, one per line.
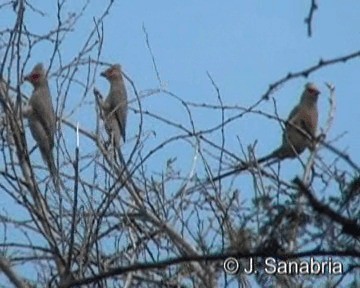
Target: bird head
<point>37,76</point>
<point>113,72</point>
<point>311,93</point>
<point>312,90</point>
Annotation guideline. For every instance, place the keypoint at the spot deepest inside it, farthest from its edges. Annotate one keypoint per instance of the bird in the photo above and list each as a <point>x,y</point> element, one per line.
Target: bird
<point>115,106</point>
<point>299,133</point>
<point>41,116</point>
<point>300,127</point>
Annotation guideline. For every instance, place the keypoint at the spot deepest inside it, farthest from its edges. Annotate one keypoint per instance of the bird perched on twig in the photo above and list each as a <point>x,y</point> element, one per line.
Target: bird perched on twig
<point>299,133</point>
<point>41,116</point>
<point>115,106</point>
<point>300,128</point>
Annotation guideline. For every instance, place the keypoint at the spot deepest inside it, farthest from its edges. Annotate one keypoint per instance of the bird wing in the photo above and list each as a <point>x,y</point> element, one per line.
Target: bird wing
<point>121,114</point>
<point>306,120</point>
<point>120,110</point>
<point>305,124</point>
<point>289,122</point>
<point>44,113</point>
<point>293,114</point>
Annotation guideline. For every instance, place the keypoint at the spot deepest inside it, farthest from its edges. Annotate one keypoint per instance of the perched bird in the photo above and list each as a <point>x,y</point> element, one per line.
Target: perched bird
<point>299,133</point>
<point>41,116</point>
<point>302,120</point>
<point>115,106</point>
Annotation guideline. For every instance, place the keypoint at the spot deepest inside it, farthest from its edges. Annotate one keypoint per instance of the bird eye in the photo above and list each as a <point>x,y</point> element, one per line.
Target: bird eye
<point>313,90</point>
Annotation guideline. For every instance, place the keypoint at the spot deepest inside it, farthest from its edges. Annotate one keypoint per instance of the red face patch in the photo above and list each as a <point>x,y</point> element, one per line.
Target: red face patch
<point>313,91</point>
<point>35,76</point>
<point>111,72</point>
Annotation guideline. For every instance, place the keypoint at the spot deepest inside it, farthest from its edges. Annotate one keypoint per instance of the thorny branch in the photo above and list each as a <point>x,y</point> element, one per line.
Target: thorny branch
<point>309,18</point>
<point>137,223</point>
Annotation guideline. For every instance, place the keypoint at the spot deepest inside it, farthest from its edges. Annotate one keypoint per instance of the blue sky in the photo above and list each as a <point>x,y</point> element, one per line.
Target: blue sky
<point>244,45</point>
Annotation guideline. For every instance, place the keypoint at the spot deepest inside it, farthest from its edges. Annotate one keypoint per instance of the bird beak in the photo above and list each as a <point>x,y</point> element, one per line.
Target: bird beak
<point>25,78</point>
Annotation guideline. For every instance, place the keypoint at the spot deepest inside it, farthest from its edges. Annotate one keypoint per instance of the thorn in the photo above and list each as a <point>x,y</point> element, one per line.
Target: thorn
<point>330,86</point>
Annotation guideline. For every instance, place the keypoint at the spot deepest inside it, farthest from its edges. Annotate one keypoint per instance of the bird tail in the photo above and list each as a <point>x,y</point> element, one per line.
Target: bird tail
<point>120,156</point>
<point>53,171</point>
<point>275,154</point>
<point>246,165</point>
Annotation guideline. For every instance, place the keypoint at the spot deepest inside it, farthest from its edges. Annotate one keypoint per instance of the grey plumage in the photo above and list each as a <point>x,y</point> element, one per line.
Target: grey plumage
<point>41,116</point>
<point>304,116</point>
<point>115,106</point>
